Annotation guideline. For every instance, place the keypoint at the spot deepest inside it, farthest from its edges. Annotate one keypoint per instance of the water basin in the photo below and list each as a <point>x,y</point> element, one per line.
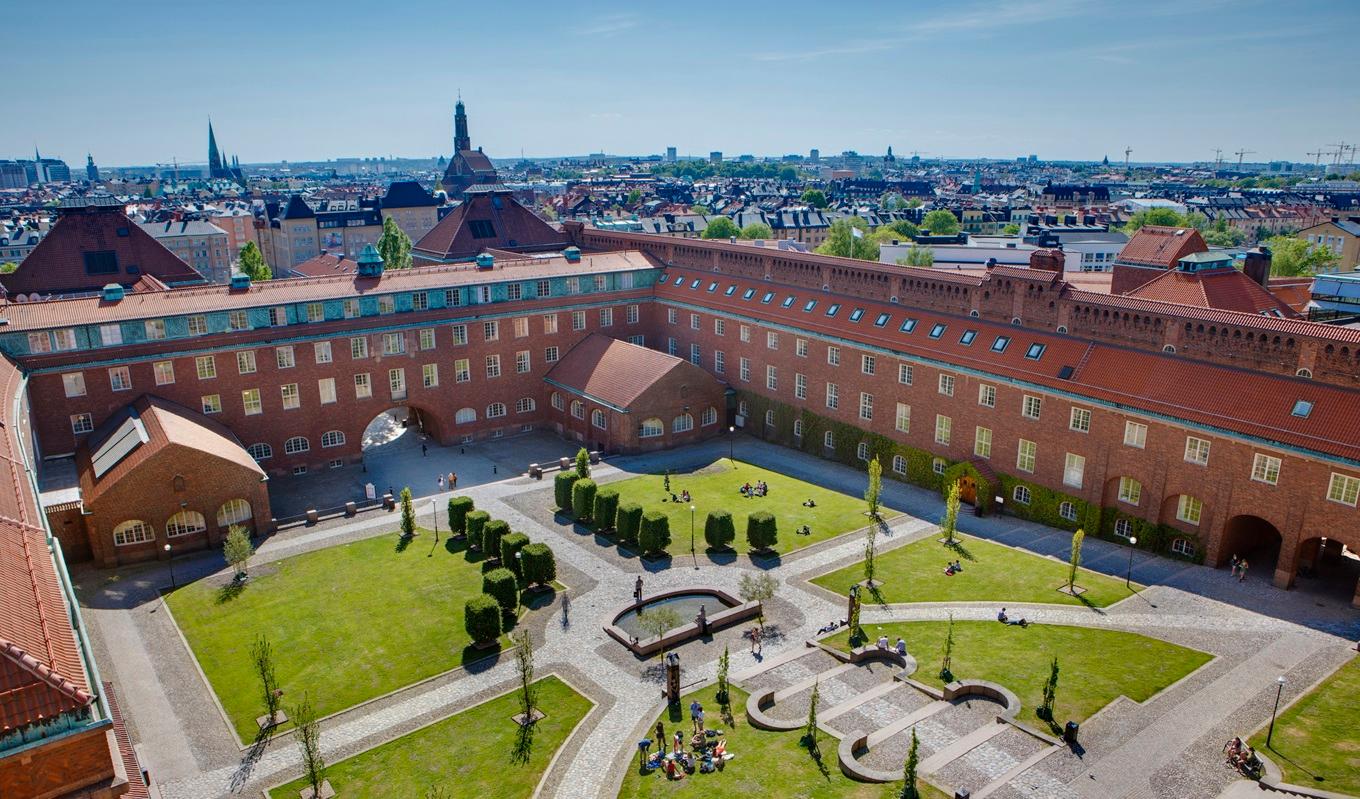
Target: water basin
<point>686,606</point>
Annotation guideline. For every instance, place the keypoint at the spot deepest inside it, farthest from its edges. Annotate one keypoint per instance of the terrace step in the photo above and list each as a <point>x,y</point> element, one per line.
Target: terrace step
<point>961,747</point>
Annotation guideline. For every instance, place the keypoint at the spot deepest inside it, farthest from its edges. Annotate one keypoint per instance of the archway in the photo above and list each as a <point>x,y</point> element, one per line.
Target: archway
<point>398,429</point>
<point>1253,538</point>
<point>1327,567</point>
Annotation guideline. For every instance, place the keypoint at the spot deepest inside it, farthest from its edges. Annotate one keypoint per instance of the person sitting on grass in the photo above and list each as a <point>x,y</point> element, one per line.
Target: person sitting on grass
<point>684,495</point>
<point>810,503</point>
<point>957,566</point>
<point>949,569</point>
<point>805,530</point>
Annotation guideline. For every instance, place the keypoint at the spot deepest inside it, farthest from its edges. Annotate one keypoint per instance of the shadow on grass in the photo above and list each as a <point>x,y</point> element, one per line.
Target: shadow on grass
<point>876,594</point>
<point>1088,604</point>
<point>814,750</point>
<point>403,542</point>
<point>1276,753</point>
<point>230,591</point>
<point>958,547</point>
<point>524,744</point>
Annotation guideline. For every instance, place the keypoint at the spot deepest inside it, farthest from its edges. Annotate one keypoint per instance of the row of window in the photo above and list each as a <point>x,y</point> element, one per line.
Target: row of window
<point>186,522</point>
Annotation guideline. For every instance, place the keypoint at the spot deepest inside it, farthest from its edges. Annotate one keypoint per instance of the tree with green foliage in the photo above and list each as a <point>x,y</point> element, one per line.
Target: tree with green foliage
<point>634,197</point>
<point>815,198</point>
<point>874,491</point>
<point>493,532</point>
<point>1074,562</point>
<point>909,789</point>
<point>538,564</point>
<point>1011,230</point>
<point>524,668</point>
<point>788,174</point>
<point>849,238</point>
<point>724,665</point>
<point>251,263</point>
<point>562,489</point>
<point>1219,234</point>
<point>762,530</point>
<point>719,529</point>
<point>949,523</point>
<point>655,534</point>
<point>583,499</point>
<point>918,256</point>
<point>237,549</point>
<point>459,508</point>
<point>757,230</point>
<point>606,508</point>
<point>721,227</point>
<point>500,584</point>
<point>940,222</point>
<point>810,726</point>
<point>262,657</point>
<point>307,732</point>
<point>757,587</point>
<point>394,246</point>
<point>870,555</point>
<point>1045,710</point>
<point>946,666</point>
<point>658,621</point>
<point>8,268</point>
<point>512,545</point>
<point>582,463</point>
<point>408,514</point>
<point>1294,257</point>
<point>1165,217</point>
<point>700,209</point>
<point>628,522</point>
<point>482,620</point>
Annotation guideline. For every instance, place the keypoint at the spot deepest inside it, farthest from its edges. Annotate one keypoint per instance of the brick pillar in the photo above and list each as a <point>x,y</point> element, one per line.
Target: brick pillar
<point>1355,600</point>
<point>1309,553</point>
<point>1287,566</point>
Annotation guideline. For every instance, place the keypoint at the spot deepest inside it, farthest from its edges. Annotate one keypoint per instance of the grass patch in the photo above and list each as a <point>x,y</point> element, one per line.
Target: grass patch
<point>1315,740</point>
<point>1096,665</point>
<point>347,623</point>
<point>468,754</point>
<point>717,485</point>
<point>767,764</point>
<point>991,572</point>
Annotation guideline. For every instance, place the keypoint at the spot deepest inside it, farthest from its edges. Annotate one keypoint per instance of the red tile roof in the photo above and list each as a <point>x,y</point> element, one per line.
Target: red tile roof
<point>137,787</point>
<point>611,371</point>
<point>1227,289</point>
<point>1153,245</point>
<point>513,225</point>
<point>1216,316</point>
<point>326,264</point>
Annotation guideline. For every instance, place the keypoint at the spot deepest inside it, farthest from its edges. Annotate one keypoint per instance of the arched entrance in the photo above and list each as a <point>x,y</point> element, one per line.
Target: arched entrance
<point>398,429</point>
<point>1253,538</point>
<point>1328,567</point>
<point>968,489</point>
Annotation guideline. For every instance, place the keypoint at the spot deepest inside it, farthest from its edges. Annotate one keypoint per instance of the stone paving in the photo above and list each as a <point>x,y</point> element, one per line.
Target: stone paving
<point>1166,746</point>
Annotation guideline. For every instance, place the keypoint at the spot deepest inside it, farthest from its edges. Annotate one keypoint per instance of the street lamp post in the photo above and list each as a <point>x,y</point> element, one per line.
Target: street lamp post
<point>731,445</point>
<point>1128,576</point>
<point>170,558</point>
<point>1279,689</point>
<point>692,555</point>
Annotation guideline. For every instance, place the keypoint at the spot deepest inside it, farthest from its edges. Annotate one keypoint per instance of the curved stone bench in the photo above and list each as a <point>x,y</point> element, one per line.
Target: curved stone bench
<point>851,767</point>
<point>756,716</point>
<point>987,690</point>
<point>865,654</point>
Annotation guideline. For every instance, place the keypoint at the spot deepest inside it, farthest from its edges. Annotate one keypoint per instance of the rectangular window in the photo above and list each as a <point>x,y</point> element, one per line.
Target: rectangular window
<point>1025,456</point>
<point>111,335</point>
<point>1074,470</point>
<point>74,384</point>
<point>1344,489</point>
<point>902,422</point>
<point>833,356</point>
<point>800,386</point>
<point>81,423</point>
<point>944,429</point>
<point>120,379</point>
<point>1031,407</point>
<point>719,362</point>
<point>1080,420</point>
<point>550,354</point>
<point>987,396</point>
<point>291,399</point>
<point>283,356</point>
<point>429,375</point>
<point>631,316</point>
<point>606,317</point>
<point>1130,490</point>
<point>396,380</point>
<point>351,309</point>
<point>578,320</point>
<point>250,400</point>
<point>771,378</point>
<point>513,291</point>
<point>521,324</point>
<point>522,362</point>
<point>1265,469</point>
<point>672,316</point>
<point>315,312</point>
<point>696,356</point>
<point>833,396</point>
<point>363,386</point>
<point>1135,434</point>
<point>771,340</point>
<point>198,325</point>
<point>543,288</point>
<point>745,334</point>
<point>238,320</point>
<point>164,371</point>
<point>694,321</point>
<point>549,324</point>
<point>1196,450</point>
<point>278,317</point>
<point>493,366</point>
<point>906,373</point>
<point>459,335</point>
<point>387,305</point>
<point>420,301</point>
<point>394,343</point>
<point>155,329</point>
<point>982,442</point>
<point>745,364</point>
<point>947,385</point>
<point>491,331</point>
<point>325,388</point>
<point>800,347</point>
<point>1189,509</point>
<point>39,342</point>
<point>426,338</point>
<point>462,371</point>
<point>211,403</point>
<point>321,350</point>
<point>245,362</point>
<point>358,347</point>
<point>867,364</point>
<point>866,406</point>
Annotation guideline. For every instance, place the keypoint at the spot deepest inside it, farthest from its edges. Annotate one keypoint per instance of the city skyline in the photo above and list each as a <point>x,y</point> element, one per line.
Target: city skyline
<point>548,81</point>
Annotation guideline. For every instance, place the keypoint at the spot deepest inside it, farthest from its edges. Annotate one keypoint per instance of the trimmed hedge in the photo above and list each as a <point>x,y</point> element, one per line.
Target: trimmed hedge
<point>476,522</point>
<point>762,532</point>
<point>583,498</point>
<point>459,508</point>
<point>510,544</point>
<point>540,566</point>
<point>492,533</point>
<point>655,533</point>
<point>628,522</point>
<point>719,529</point>
<point>501,585</point>
<point>606,508</point>
<point>562,484</point>
<point>482,619</point>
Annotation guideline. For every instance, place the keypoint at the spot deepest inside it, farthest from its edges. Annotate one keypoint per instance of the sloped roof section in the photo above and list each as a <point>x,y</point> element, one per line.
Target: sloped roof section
<point>486,219</point>
<point>1154,245</point>
<point>611,371</point>
<point>1227,289</point>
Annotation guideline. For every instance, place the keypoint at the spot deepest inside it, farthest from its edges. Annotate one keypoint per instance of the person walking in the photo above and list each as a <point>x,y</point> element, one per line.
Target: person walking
<point>440,481</point>
<point>453,480</point>
<point>1235,563</point>
<point>424,450</point>
<point>637,589</point>
<point>1242,570</point>
<point>696,712</point>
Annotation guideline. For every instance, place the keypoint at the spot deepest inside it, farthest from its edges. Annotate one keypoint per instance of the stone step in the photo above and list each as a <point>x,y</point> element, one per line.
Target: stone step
<point>881,735</point>
<point>864,696</point>
<point>961,747</point>
<point>1024,766</point>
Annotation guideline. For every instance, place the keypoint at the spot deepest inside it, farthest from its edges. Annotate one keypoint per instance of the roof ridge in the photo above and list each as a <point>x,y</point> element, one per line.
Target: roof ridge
<point>44,672</point>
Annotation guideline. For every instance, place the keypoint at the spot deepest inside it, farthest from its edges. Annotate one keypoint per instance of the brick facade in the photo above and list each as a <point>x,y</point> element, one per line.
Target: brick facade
<point>81,765</point>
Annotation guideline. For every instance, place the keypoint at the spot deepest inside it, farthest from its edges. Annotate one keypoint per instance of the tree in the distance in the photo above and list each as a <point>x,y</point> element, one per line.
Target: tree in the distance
<point>262,658</point>
<point>237,549</point>
<point>849,238</point>
<point>940,222</point>
<point>1010,230</point>
<point>252,265</point>
<point>1294,257</point>
<point>757,230</point>
<point>8,267</point>
<point>721,227</point>
<point>918,256</point>
<point>814,197</point>
<point>408,513</point>
<point>394,246</point>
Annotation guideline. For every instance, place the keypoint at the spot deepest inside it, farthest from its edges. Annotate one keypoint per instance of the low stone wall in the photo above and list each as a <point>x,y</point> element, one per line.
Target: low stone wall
<point>854,742</point>
<point>988,690</point>
<point>1273,778</point>
<point>735,612</point>
<point>756,716</point>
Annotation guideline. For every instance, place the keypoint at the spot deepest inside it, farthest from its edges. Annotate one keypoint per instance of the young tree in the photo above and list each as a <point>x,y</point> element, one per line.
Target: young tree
<point>949,524</point>
<point>307,732</point>
<point>940,222</point>
<point>757,588</point>
<point>875,489</point>
<point>721,227</point>
<point>252,263</point>
<point>757,230</point>
<point>946,672</point>
<point>724,664</point>
<point>659,621</point>
<point>408,514</point>
<point>237,549</point>
<point>262,656</point>
<point>1292,257</point>
<point>909,789</point>
<point>1075,562</point>
<point>582,463</point>
<point>870,550</point>
<point>1045,710</point>
<point>394,246</point>
<point>918,256</point>
<point>810,728</point>
<point>1010,230</point>
<point>524,667</point>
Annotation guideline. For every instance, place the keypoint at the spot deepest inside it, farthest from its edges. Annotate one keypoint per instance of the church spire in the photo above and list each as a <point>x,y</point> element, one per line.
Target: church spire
<point>461,140</point>
<point>214,157</point>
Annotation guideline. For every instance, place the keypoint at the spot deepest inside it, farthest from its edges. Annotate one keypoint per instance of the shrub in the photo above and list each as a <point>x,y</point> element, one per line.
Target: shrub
<point>482,619</point>
<point>475,521</point>
<point>655,534</point>
<point>492,533</point>
<point>562,490</point>
<point>408,513</point>
<point>501,585</point>
<point>719,531</point>
<point>583,498</point>
<point>761,530</point>
<point>628,522</point>
<point>582,463</point>
<point>511,544</point>
<point>606,506</point>
<point>459,508</point>
<point>540,567</point>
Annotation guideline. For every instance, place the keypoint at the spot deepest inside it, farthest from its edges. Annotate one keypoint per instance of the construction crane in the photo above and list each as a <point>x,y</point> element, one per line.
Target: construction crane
<point>1218,158</point>
<point>1241,153</point>
<point>1317,157</point>
<point>1340,152</point>
<point>1127,152</point>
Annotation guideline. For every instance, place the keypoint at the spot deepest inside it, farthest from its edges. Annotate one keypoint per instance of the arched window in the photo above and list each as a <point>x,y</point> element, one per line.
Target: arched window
<point>1304,373</point>
<point>1183,546</point>
<point>769,418</point>
<point>1123,528</point>
<point>829,439</point>
<point>1170,348</point>
<point>133,531</point>
<point>1068,511</point>
<point>186,522</point>
<point>525,405</point>
<point>651,428</point>
<point>233,511</point>
<point>578,409</point>
<point>557,401</point>
<point>332,438</point>
<point>797,428</point>
<point>296,445</point>
<point>1021,495</point>
<point>495,410</point>
<point>597,419</point>
<point>899,464</point>
<point>465,416</point>
<point>863,450</point>
<point>682,423</point>
<point>709,417</point>
<point>260,452</point>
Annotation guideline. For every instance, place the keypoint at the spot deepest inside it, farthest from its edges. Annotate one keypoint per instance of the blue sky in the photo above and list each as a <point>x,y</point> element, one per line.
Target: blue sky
<point>1173,79</point>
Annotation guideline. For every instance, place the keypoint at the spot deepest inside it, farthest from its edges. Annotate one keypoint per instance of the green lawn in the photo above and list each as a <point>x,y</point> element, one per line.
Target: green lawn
<point>991,572</point>
<point>717,485</point>
<point>1096,666</point>
<point>1316,741</point>
<point>347,623</point>
<point>471,754</point>
<point>767,764</point>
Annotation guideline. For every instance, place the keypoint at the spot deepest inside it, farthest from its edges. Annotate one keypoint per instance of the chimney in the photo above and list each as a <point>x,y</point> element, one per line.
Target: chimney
<point>1257,265</point>
<point>1047,259</point>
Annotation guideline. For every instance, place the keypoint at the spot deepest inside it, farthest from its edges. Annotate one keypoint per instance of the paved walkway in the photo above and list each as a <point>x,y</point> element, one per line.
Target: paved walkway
<point>1167,746</point>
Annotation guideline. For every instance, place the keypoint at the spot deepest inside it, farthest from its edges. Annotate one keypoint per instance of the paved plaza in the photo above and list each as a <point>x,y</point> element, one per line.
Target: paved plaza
<point>1167,746</point>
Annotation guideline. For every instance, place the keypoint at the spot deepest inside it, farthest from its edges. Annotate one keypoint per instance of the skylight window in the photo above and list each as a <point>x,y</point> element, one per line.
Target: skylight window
<point>732,289</point>
<point>712,287</point>
<point>1000,344</point>
<point>908,325</point>
<point>881,320</point>
<point>809,306</point>
<point>1035,351</point>
<point>788,301</point>
<point>696,283</point>
<point>765,300</point>
<point>937,330</point>
<point>664,277</point>
<point>679,280</point>
<point>748,294</point>
<point>834,309</point>
<point>856,314</point>
<point>967,338</point>
<point>1302,408</point>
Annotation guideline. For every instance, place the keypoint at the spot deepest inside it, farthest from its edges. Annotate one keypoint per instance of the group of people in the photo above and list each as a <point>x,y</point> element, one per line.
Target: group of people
<point>1242,757</point>
<point>900,647</point>
<point>759,489</point>
<point>1239,568</point>
<point>951,569</point>
<point>683,497</point>
<point>707,748</point>
<point>1005,619</point>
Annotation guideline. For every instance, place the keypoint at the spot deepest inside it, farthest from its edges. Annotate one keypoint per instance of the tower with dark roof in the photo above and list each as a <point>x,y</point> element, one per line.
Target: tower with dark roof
<point>467,167</point>
<point>461,140</point>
